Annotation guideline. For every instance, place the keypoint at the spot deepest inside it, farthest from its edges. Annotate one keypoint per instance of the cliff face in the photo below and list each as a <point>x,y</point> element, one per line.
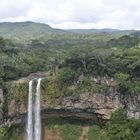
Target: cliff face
<point>98,104</point>
<point>1,102</point>
<point>87,105</point>
<point>133,106</point>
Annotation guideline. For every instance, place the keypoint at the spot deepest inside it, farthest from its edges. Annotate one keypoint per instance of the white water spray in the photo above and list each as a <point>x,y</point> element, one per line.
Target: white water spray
<point>34,134</point>
<point>30,112</point>
<point>37,126</point>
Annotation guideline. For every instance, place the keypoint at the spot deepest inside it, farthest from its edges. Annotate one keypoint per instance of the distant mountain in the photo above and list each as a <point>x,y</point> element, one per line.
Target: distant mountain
<point>137,34</point>
<point>25,31</point>
<point>106,30</point>
<point>81,31</point>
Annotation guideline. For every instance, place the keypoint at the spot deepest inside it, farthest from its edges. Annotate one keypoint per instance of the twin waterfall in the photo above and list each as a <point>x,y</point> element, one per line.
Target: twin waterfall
<point>34,119</point>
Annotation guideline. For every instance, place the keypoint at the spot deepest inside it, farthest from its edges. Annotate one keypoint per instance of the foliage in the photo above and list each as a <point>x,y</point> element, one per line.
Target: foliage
<point>118,128</point>
<point>69,129</point>
<point>121,128</point>
<point>11,132</point>
<point>78,59</point>
<point>122,64</point>
<point>94,133</point>
<point>3,132</point>
<point>127,85</point>
<point>118,116</point>
<point>124,41</point>
<point>67,77</point>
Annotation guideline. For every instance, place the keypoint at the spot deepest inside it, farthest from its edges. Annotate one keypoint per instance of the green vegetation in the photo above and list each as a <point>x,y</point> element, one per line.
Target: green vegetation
<point>11,132</point>
<point>78,62</point>
<point>68,128</point>
<point>94,133</point>
<point>118,128</point>
<point>121,128</point>
<point>121,64</point>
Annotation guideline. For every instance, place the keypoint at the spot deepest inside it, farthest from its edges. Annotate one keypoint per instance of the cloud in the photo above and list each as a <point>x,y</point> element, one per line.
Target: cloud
<point>14,8</point>
<point>123,14</point>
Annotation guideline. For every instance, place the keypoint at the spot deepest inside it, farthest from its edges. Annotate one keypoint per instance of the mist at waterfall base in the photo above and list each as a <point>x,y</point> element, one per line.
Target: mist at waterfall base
<point>34,117</point>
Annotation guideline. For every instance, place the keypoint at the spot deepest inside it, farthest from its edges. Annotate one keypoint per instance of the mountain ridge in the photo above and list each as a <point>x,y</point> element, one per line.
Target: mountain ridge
<point>24,31</point>
<point>28,30</point>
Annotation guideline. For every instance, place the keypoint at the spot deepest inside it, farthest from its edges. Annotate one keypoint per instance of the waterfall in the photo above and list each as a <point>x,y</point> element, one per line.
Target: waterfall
<point>37,126</point>
<point>30,112</point>
<point>34,114</point>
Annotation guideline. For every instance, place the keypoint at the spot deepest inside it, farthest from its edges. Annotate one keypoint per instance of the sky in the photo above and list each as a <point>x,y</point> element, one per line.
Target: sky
<point>74,14</point>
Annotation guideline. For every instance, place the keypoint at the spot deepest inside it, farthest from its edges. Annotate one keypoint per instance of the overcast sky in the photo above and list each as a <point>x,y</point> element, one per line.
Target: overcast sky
<point>121,14</point>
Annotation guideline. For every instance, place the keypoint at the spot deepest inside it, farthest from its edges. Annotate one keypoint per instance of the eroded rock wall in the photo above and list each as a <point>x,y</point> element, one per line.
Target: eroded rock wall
<point>87,104</point>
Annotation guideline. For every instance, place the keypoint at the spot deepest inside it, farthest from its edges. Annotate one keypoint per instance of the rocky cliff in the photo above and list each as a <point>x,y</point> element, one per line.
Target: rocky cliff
<point>88,105</point>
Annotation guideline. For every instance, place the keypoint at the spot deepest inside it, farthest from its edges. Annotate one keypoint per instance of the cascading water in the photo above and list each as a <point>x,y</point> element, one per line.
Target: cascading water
<point>37,126</point>
<point>37,118</point>
<point>30,113</point>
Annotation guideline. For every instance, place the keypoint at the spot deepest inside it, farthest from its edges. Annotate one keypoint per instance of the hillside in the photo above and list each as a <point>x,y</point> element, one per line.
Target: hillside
<point>25,31</point>
<point>105,30</point>
<point>90,87</point>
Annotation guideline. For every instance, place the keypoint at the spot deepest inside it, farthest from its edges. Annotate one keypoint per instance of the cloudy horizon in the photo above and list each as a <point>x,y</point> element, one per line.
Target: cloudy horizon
<point>74,14</point>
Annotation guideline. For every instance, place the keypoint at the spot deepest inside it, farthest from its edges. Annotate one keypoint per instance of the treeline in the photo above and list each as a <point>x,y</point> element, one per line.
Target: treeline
<point>125,41</point>
<point>99,40</point>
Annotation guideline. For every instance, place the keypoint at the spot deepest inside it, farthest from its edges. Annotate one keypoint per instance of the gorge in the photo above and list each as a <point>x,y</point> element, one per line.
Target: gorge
<point>94,107</point>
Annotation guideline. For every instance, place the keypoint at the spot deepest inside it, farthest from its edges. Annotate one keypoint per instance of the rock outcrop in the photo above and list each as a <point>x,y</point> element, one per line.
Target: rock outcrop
<point>1,103</point>
<point>88,105</point>
<point>101,104</point>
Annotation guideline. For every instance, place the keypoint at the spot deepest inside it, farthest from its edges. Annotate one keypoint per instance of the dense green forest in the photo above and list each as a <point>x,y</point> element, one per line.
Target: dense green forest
<point>74,59</point>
